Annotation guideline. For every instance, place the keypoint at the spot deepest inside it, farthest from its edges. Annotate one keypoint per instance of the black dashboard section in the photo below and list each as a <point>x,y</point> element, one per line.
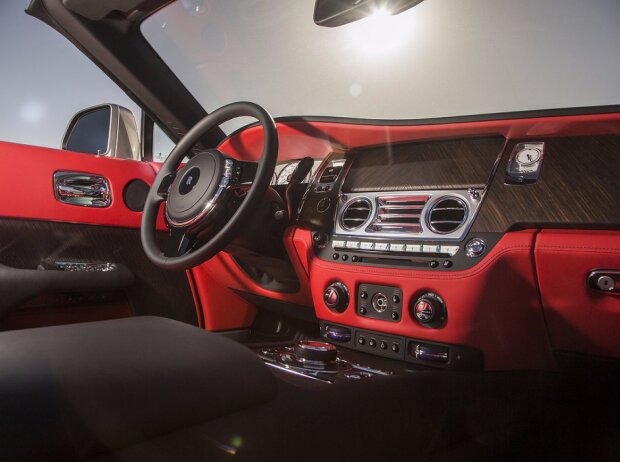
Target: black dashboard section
<point>578,186</point>
<point>445,164</point>
<point>318,206</point>
<point>418,352</point>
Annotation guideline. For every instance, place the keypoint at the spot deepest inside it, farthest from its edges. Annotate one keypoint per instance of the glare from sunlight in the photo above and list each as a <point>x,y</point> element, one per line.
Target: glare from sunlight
<point>379,33</point>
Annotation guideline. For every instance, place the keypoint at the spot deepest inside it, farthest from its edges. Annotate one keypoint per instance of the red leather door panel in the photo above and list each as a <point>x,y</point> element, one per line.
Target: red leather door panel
<point>26,185</point>
<point>579,319</point>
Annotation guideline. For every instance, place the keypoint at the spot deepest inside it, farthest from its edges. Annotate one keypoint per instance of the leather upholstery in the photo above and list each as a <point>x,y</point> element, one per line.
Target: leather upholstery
<point>70,392</point>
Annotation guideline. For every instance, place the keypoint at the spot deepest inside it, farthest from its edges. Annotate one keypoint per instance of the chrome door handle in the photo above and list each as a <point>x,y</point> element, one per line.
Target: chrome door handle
<point>604,280</point>
<point>83,189</point>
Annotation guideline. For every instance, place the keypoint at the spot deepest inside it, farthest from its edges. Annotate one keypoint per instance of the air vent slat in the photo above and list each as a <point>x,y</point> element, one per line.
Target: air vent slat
<point>402,207</point>
<point>402,200</point>
<point>387,216</point>
<point>396,227</point>
<point>447,215</point>
<point>355,214</point>
<point>398,214</point>
<point>396,223</point>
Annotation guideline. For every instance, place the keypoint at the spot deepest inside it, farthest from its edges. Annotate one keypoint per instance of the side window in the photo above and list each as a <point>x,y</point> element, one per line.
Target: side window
<point>162,144</point>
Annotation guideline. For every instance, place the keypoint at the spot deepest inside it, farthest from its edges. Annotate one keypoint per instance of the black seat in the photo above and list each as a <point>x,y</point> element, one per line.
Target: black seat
<point>71,392</point>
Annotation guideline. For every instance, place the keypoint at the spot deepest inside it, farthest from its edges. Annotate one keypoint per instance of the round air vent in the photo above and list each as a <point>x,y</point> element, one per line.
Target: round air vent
<point>447,215</point>
<point>355,214</point>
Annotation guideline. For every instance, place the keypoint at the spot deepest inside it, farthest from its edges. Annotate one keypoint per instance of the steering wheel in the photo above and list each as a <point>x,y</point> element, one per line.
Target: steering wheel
<point>199,196</point>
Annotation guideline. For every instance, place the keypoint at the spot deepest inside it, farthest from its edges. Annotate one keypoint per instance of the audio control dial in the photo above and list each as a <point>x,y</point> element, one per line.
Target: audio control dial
<point>336,297</point>
<point>429,310</point>
<point>316,351</point>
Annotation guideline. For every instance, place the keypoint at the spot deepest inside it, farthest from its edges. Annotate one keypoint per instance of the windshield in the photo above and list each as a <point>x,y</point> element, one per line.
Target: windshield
<point>441,58</point>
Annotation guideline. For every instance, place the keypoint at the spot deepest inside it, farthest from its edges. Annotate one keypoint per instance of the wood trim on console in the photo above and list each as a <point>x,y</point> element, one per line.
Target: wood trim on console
<point>578,186</point>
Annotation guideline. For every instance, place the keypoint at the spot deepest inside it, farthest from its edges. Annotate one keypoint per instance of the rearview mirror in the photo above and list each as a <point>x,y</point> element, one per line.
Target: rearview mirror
<point>334,13</point>
<point>108,130</point>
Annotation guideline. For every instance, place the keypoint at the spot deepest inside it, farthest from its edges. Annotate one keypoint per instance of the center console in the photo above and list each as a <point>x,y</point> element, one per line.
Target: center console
<point>406,207</point>
<point>324,362</point>
<point>412,207</point>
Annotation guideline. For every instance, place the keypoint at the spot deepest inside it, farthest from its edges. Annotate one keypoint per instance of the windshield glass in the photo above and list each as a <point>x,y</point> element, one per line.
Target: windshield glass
<point>441,58</point>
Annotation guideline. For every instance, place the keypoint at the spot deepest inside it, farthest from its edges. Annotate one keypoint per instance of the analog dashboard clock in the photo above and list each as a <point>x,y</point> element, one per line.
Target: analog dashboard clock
<point>528,156</point>
<point>525,162</point>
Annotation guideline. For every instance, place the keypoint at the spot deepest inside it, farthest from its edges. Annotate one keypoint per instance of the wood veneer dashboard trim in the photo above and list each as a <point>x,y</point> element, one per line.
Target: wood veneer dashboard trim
<point>579,186</point>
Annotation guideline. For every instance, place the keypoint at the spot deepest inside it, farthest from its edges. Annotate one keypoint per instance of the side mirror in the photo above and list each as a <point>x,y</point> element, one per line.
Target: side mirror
<point>108,130</point>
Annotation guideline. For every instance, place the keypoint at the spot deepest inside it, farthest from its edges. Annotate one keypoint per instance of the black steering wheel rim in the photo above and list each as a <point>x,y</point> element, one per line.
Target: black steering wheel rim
<point>265,168</point>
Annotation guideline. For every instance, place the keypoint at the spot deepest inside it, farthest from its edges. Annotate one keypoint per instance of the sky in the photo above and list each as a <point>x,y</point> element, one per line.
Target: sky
<point>45,80</point>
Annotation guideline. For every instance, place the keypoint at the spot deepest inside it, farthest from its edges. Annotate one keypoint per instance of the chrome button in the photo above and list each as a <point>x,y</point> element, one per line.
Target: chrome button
<point>475,247</point>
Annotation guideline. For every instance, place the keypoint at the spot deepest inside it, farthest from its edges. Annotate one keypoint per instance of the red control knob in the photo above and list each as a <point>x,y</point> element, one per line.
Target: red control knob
<point>429,310</point>
<point>336,297</point>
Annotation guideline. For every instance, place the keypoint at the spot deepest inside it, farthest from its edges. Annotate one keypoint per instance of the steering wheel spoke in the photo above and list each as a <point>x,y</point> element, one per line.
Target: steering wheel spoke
<point>164,185</point>
<point>186,243</point>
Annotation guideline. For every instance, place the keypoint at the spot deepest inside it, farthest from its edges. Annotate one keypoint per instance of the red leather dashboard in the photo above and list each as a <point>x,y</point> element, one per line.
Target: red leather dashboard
<point>579,318</point>
<point>524,299</point>
<point>520,302</point>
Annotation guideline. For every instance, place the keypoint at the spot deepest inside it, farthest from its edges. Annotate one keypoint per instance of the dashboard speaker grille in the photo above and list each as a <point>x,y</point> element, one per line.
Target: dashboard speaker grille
<point>355,214</point>
<point>447,215</point>
<point>398,214</point>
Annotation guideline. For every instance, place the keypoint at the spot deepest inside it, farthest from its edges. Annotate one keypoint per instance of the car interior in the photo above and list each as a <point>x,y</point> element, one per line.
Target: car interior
<point>335,286</point>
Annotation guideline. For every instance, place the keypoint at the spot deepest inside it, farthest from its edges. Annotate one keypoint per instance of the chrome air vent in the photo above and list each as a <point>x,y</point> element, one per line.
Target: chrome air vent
<point>398,214</point>
<point>447,214</point>
<point>437,215</point>
<point>355,214</point>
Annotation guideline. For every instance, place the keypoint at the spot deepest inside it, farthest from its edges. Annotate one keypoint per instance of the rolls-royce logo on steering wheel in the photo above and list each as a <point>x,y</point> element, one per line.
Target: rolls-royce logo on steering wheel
<point>189,181</point>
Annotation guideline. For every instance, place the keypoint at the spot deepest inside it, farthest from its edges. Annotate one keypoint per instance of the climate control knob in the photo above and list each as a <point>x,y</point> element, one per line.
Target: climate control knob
<point>429,310</point>
<point>336,297</point>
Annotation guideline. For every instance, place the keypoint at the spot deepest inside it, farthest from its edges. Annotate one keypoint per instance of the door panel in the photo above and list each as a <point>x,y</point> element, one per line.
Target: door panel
<point>26,184</point>
<point>579,318</point>
<point>37,232</point>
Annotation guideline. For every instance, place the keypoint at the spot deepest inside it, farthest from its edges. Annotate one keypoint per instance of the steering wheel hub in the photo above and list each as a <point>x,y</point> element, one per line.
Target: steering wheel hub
<point>193,193</point>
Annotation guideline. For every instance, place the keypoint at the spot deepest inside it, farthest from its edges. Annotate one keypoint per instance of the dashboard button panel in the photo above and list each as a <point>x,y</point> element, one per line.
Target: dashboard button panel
<point>398,253</point>
<point>411,350</point>
<point>395,247</point>
<point>380,344</point>
<point>379,302</point>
